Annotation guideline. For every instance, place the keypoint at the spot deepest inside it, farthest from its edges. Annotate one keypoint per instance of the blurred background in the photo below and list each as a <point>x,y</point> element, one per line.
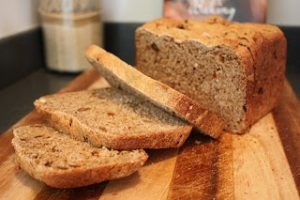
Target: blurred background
<point>41,46</point>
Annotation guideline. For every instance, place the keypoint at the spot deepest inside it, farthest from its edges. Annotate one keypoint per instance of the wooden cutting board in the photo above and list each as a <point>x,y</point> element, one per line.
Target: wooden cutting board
<point>261,164</point>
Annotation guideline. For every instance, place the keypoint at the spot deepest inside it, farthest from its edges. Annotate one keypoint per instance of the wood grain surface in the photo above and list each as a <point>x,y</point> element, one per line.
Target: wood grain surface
<point>287,120</point>
<point>261,164</point>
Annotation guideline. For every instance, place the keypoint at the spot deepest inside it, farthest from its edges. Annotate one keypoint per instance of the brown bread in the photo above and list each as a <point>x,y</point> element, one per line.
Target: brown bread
<point>233,69</point>
<point>119,74</point>
<point>61,162</point>
<point>112,118</point>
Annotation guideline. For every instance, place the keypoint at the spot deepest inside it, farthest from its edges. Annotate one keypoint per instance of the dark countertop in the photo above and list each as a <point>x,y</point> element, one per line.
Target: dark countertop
<point>293,75</point>
<point>16,99</point>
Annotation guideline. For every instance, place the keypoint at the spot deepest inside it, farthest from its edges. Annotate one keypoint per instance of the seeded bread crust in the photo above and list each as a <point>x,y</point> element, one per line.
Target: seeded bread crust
<point>72,113</point>
<point>36,145</point>
<point>121,75</point>
<point>260,50</point>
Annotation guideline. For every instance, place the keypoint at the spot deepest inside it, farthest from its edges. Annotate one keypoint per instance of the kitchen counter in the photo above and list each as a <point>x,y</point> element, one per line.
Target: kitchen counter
<point>16,99</point>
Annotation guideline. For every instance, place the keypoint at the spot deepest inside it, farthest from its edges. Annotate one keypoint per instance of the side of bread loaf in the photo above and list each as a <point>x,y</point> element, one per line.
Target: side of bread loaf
<point>233,69</point>
<point>119,74</point>
<point>61,162</point>
<point>112,118</point>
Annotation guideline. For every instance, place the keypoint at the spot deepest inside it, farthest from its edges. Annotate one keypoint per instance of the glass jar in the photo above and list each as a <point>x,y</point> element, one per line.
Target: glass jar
<point>69,27</point>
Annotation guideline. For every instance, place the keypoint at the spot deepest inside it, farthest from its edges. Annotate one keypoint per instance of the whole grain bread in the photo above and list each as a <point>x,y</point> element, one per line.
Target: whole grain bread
<point>233,69</point>
<point>112,118</point>
<point>61,162</point>
<point>119,74</point>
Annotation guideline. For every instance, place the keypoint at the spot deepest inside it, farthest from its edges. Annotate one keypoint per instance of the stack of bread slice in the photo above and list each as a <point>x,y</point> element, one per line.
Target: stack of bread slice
<point>235,70</point>
<point>97,135</point>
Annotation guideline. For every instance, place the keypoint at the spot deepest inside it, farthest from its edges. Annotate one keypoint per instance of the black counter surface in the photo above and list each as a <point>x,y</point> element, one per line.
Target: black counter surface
<point>17,99</point>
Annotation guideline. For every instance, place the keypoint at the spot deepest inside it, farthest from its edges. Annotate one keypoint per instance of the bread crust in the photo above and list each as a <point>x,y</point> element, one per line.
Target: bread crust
<point>264,61</point>
<point>153,140</point>
<point>80,177</point>
<point>261,50</point>
<point>76,177</point>
<point>120,74</point>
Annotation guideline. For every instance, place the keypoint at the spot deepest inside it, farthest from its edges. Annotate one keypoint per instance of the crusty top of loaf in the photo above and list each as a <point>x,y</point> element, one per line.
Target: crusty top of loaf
<point>213,31</point>
<point>248,42</point>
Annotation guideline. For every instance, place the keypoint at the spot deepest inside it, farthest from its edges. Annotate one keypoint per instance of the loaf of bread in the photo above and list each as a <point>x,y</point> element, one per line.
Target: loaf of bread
<point>112,118</point>
<point>61,162</point>
<point>233,69</point>
<point>121,75</point>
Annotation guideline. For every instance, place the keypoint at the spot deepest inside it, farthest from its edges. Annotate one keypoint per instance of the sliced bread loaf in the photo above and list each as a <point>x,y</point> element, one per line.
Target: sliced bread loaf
<point>234,69</point>
<point>120,74</point>
<point>112,118</point>
<point>61,162</point>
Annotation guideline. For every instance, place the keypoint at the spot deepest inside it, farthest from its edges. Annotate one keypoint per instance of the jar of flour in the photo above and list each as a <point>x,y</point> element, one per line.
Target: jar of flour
<point>69,27</point>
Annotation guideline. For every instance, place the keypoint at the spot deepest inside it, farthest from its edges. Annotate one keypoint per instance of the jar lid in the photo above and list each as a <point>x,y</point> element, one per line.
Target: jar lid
<point>68,6</point>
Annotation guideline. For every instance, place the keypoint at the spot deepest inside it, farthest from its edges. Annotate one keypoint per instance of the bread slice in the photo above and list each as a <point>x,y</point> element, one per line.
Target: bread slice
<point>61,162</point>
<point>120,74</point>
<point>112,118</point>
<point>234,69</point>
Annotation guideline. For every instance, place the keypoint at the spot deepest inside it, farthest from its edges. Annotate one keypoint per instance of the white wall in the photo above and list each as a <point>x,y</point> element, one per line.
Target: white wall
<point>21,15</point>
<point>131,10</point>
<point>17,16</point>
<point>284,12</point>
<point>281,12</point>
